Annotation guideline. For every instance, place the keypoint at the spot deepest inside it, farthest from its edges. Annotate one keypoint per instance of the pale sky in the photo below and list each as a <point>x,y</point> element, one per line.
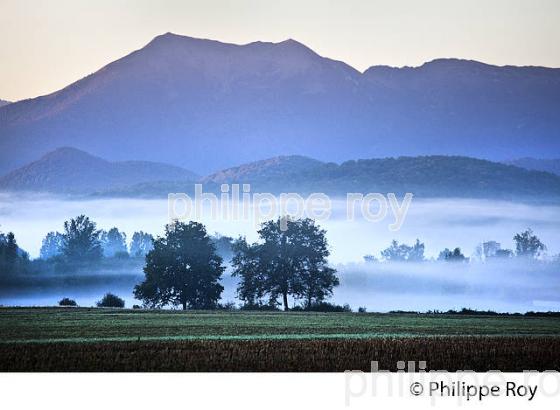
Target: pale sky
<point>48,44</point>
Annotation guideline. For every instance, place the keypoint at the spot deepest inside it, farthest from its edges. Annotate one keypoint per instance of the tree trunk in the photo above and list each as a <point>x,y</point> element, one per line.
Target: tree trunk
<point>285,297</point>
<point>185,305</point>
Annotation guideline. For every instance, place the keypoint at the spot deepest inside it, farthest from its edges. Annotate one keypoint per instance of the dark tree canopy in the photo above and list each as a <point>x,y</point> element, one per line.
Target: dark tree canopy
<point>452,256</point>
<point>80,243</point>
<point>13,260</point>
<point>67,302</point>
<point>182,269</point>
<point>247,266</point>
<point>291,259</point>
<point>111,300</point>
<point>527,244</point>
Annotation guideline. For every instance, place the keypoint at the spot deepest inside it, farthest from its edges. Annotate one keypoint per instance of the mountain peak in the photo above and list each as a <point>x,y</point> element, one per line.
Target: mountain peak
<point>65,153</point>
<point>292,43</point>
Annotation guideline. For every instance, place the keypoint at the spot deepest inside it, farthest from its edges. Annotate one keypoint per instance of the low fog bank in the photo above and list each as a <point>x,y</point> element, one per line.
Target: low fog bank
<point>86,288</point>
<point>439,223</point>
<point>503,285</point>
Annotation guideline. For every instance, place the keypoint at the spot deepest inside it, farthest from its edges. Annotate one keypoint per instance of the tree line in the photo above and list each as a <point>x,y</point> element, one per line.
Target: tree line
<point>527,245</point>
<point>82,242</point>
<point>184,266</point>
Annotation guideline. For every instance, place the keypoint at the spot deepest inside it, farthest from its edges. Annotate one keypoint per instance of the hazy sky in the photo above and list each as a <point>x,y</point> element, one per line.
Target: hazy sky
<point>47,44</point>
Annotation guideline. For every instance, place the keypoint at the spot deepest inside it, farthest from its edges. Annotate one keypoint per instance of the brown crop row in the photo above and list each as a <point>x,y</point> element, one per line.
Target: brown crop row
<point>440,353</point>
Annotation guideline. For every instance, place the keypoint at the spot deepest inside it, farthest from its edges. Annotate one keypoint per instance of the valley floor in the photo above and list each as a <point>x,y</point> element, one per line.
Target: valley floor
<point>93,339</point>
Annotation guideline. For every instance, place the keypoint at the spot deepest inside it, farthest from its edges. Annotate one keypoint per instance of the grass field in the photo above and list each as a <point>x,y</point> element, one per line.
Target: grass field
<point>58,339</point>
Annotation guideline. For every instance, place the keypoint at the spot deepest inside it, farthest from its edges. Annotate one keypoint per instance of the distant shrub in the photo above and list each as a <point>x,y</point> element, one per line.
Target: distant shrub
<point>326,307</point>
<point>362,309</point>
<point>467,311</point>
<point>136,307</point>
<point>110,300</point>
<point>265,308</point>
<point>67,302</point>
<point>413,312</point>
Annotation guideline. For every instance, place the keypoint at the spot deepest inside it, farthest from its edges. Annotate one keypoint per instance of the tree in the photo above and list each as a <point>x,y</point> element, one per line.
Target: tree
<point>113,242</point>
<point>404,253</point>
<point>110,300</point>
<point>141,244</point>
<point>246,264</point>
<point>527,244</point>
<point>182,269</point>
<point>52,245</point>
<point>13,260</point>
<point>291,259</point>
<point>311,252</point>
<point>80,241</point>
<point>11,251</point>
<point>67,302</point>
<point>452,256</point>
<point>416,253</point>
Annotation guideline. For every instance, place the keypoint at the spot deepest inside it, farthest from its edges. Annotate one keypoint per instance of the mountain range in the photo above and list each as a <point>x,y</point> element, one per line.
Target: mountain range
<point>71,171</point>
<point>207,105</point>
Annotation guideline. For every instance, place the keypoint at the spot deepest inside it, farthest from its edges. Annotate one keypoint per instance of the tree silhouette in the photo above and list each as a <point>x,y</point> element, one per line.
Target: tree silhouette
<point>291,259</point>
<point>13,260</point>
<point>182,269</point>
<point>80,241</point>
<point>452,256</point>
<point>247,266</point>
<point>527,244</point>
<point>111,300</point>
<point>404,253</point>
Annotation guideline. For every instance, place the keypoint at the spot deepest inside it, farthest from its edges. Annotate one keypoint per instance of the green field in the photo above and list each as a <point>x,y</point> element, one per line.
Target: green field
<point>83,324</point>
<point>116,339</point>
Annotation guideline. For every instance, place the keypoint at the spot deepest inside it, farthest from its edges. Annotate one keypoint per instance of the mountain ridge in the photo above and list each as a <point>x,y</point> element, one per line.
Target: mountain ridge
<point>537,164</point>
<point>71,171</point>
<point>210,105</point>
<point>68,170</point>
